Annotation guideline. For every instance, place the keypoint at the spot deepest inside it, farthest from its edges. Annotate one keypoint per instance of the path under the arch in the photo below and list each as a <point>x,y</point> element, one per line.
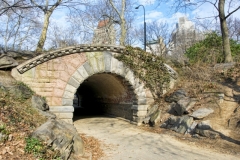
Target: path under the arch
<point>123,141</point>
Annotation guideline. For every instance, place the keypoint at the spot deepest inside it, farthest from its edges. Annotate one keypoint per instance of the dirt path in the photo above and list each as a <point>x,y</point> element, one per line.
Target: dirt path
<point>122,141</point>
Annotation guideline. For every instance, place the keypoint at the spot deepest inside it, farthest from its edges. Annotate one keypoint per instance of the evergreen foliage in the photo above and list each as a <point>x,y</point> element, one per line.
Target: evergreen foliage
<point>210,50</point>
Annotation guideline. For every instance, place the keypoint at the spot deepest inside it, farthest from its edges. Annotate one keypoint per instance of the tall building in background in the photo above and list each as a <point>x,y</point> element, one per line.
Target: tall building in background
<point>184,36</point>
<point>105,33</point>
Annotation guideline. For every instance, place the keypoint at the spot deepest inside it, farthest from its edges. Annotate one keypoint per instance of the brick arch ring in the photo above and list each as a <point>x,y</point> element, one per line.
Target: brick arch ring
<point>57,76</point>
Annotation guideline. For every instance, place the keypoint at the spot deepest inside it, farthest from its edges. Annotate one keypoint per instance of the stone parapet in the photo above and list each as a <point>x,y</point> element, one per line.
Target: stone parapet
<point>66,51</point>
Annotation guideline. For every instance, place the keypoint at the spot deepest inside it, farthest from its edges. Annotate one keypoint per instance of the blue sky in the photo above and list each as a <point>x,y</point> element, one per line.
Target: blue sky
<point>155,12</point>
<point>165,14</point>
<point>161,12</point>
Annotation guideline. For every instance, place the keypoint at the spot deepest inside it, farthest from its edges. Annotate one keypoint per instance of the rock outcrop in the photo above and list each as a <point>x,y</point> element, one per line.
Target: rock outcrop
<point>183,106</point>
<point>7,62</point>
<point>178,124</point>
<point>39,103</point>
<point>61,136</point>
<point>201,113</point>
<point>183,119</point>
<point>153,116</point>
<point>176,96</point>
<point>11,59</point>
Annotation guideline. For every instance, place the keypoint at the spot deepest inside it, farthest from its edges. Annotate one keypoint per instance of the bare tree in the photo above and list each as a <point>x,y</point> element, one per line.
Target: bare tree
<point>121,15</point>
<point>85,21</point>
<point>158,37</point>
<point>48,7</point>
<point>231,7</point>
<point>61,37</point>
<point>18,27</point>
<point>118,14</point>
<point>13,6</point>
<point>234,28</point>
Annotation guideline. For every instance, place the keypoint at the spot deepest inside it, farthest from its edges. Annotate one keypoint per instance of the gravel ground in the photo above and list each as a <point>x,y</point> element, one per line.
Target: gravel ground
<point>121,140</point>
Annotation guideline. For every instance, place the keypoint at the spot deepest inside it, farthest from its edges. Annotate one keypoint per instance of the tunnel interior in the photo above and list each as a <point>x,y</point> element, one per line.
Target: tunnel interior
<point>104,94</point>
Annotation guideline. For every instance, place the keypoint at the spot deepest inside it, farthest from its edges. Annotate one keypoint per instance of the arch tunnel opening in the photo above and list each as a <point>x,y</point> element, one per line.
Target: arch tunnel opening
<point>104,94</point>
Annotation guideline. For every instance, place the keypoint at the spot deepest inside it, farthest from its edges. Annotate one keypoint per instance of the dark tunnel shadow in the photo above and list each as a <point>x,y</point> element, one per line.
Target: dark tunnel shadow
<point>102,95</point>
<point>88,108</point>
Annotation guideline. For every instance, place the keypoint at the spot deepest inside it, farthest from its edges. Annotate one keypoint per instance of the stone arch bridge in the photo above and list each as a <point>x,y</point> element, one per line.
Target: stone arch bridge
<point>86,76</point>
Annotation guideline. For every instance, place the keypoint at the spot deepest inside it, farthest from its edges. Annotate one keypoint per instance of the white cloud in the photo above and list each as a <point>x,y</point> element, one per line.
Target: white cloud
<point>59,17</point>
<point>153,15</point>
<point>146,2</point>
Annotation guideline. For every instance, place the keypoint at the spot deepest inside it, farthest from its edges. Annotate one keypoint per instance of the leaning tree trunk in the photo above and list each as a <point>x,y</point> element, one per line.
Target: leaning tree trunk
<point>224,30</point>
<point>43,36</point>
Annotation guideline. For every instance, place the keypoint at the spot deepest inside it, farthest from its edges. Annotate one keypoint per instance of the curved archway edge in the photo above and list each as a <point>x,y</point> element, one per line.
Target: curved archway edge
<point>58,79</point>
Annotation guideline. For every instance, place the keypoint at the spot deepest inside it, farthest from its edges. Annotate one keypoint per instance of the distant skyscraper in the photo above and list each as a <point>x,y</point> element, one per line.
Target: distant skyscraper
<point>184,36</point>
<point>105,33</point>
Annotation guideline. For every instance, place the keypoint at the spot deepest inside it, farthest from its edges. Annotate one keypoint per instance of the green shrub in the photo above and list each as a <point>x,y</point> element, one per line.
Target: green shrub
<point>40,150</point>
<point>148,68</point>
<point>4,132</point>
<point>210,50</point>
<point>34,146</point>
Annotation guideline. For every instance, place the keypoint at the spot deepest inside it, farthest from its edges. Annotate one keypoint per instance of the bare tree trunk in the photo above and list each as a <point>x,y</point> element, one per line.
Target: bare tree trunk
<point>123,21</point>
<point>123,24</point>
<point>43,36</point>
<point>123,32</point>
<point>224,30</point>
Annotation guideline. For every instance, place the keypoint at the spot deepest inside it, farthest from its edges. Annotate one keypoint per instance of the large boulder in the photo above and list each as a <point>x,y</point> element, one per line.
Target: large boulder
<point>204,125</point>
<point>178,124</point>
<point>207,133</point>
<point>201,113</point>
<point>21,55</point>
<point>39,103</point>
<point>222,67</point>
<point>7,62</point>
<point>176,96</point>
<point>152,110</point>
<point>183,106</point>
<point>192,128</point>
<point>61,136</point>
<point>21,91</point>
<point>152,116</point>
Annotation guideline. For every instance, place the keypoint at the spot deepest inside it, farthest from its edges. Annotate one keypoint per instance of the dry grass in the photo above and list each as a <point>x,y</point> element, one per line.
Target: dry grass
<point>204,83</point>
<point>200,79</point>
<point>93,146</point>
<point>19,120</point>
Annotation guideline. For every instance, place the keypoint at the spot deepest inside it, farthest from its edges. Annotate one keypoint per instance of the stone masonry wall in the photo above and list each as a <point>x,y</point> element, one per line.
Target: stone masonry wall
<point>58,79</point>
<point>50,79</point>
